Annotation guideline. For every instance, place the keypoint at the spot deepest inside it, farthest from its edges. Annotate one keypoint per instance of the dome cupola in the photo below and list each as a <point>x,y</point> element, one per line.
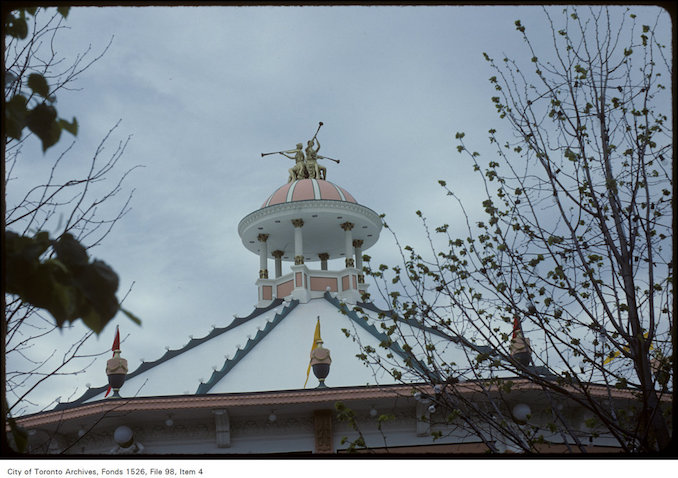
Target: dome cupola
<point>309,220</point>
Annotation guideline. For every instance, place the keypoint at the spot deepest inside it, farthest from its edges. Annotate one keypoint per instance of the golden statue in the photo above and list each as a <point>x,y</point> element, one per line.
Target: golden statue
<point>306,166</point>
<point>298,171</point>
<point>313,169</point>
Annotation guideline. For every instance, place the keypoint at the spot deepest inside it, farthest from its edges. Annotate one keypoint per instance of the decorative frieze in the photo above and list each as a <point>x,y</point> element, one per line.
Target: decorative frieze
<point>322,424</point>
<point>223,428</point>
<point>423,420</point>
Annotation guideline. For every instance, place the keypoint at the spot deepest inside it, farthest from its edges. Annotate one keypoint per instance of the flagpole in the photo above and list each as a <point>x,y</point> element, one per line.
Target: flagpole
<point>316,337</point>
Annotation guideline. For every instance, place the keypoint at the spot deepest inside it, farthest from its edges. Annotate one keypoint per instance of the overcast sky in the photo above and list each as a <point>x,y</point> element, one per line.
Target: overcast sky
<point>205,90</point>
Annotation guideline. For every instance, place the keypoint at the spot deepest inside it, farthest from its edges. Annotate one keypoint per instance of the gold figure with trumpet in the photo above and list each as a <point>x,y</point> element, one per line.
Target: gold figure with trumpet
<point>306,165</point>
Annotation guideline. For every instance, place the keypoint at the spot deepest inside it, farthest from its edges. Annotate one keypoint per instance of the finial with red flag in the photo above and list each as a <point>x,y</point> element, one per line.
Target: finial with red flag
<point>116,368</point>
<point>520,346</point>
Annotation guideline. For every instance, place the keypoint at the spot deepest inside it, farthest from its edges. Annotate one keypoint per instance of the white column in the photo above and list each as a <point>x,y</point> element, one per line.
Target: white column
<point>278,262</point>
<point>348,235</point>
<point>324,256</point>
<point>358,246</point>
<point>263,256</point>
<point>300,291</point>
<point>298,241</point>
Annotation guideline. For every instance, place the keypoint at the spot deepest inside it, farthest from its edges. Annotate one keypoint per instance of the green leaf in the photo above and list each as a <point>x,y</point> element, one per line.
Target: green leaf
<point>63,11</point>
<point>15,116</point>
<point>131,316</point>
<point>70,251</point>
<point>98,283</point>
<point>38,84</point>
<point>93,320</point>
<point>71,127</point>
<point>41,120</point>
<point>62,302</point>
<point>16,27</point>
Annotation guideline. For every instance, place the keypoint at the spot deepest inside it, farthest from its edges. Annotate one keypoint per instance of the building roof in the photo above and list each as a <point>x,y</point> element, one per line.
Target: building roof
<point>269,349</point>
<point>224,361</point>
<point>308,189</point>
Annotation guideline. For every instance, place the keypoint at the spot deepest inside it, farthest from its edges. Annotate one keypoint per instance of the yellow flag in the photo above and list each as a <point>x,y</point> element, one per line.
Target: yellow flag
<point>316,337</point>
<point>616,353</point>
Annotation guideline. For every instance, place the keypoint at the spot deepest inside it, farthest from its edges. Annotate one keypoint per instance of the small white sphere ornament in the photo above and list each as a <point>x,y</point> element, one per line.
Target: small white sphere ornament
<point>521,412</point>
<point>123,436</point>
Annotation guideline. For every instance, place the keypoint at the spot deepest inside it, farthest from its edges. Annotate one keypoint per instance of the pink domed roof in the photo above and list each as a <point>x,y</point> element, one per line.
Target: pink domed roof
<point>308,189</point>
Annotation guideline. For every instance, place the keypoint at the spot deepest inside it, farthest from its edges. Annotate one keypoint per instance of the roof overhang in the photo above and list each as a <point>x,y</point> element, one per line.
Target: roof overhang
<point>322,231</point>
<point>301,398</point>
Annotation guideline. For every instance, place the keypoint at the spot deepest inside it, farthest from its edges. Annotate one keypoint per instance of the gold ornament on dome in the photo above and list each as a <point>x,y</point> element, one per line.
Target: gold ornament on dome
<point>306,162</point>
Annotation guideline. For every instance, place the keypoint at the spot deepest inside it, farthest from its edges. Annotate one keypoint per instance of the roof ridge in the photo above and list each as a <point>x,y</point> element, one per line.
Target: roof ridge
<point>385,340</point>
<point>458,339</point>
<point>169,354</point>
<point>230,363</point>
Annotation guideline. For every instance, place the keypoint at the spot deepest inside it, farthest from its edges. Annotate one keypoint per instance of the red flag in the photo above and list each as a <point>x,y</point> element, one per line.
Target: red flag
<point>116,341</point>
<point>116,346</point>
<point>516,327</point>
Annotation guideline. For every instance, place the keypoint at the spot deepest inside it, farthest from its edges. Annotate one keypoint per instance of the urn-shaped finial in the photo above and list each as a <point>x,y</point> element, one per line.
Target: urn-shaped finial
<point>320,362</point>
<point>520,345</point>
<point>116,368</point>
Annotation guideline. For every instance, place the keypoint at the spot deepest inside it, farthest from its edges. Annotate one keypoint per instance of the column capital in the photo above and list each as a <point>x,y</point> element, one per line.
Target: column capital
<point>347,226</point>
<point>297,222</point>
<point>323,256</point>
<point>357,243</point>
<point>298,260</point>
<point>262,237</point>
<point>263,273</point>
<point>350,262</point>
<point>277,254</point>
